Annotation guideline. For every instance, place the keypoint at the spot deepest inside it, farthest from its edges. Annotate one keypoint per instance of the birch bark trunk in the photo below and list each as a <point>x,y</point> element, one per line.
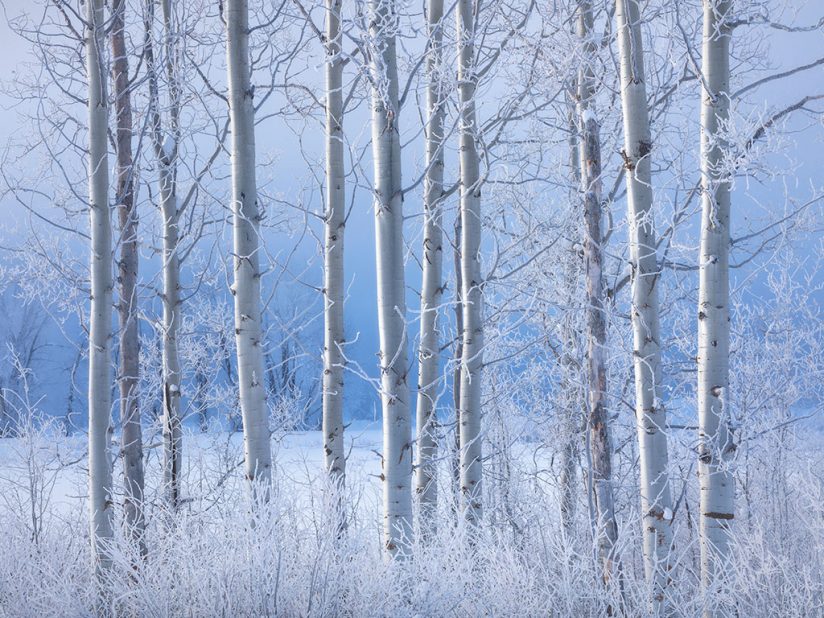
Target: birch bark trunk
<point>386,154</point>
<point>131,434</point>
<point>166,153</point>
<point>470,205</point>
<point>650,414</point>
<point>246,221</point>
<point>432,286</point>
<point>100,321</point>
<point>335,221</point>
<point>600,447</point>
<point>716,444</point>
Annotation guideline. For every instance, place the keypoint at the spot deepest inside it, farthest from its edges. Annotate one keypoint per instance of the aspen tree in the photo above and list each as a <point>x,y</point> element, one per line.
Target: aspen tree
<point>600,447</point>
<point>386,155</point>
<point>572,396</point>
<point>166,145</point>
<point>334,222</point>
<point>100,321</point>
<point>432,278</point>
<point>650,415</point>
<point>472,361</point>
<point>131,434</point>
<point>716,446</point>
<point>246,261</point>
<point>457,358</point>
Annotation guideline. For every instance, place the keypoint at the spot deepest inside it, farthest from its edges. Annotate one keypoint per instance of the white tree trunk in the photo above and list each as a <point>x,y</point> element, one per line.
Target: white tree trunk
<point>432,279</point>
<point>246,222</point>
<point>127,308</point>
<point>335,220</point>
<point>172,431</point>
<point>172,428</point>
<point>716,445</point>
<point>386,154</point>
<point>100,320</point>
<point>472,362</point>
<point>600,447</point>
<point>166,151</point>
<point>650,414</point>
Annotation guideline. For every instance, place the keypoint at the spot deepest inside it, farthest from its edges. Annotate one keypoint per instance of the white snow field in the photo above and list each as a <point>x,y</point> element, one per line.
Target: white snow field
<point>217,559</point>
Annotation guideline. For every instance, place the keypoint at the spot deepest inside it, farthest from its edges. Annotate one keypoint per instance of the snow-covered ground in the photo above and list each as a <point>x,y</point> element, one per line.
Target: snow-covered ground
<point>217,557</point>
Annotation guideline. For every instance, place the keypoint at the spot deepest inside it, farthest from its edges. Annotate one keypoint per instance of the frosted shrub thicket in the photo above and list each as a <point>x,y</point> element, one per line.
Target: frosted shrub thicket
<point>287,561</point>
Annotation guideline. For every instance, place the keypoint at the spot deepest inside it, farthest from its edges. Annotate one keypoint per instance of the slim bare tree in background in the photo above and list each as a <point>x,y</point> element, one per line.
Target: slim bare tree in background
<point>246,222</point>
<point>598,439</point>
<point>100,320</point>
<point>432,285</point>
<point>166,142</point>
<point>457,359</point>
<point>333,280</point>
<point>471,294</point>
<point>573,396</point>
<point>650,414</point>
<point>127,307</point>
<point>716,445</point>
<point>386,155</point>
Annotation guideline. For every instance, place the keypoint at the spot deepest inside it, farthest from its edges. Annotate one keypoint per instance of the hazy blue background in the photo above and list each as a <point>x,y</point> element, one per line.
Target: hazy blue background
<point>289,175</point>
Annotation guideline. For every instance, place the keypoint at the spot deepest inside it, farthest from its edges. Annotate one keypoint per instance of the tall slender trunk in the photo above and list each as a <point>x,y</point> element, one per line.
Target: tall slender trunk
<point>131,434</point>
<point>600,447</point>
<point>716,444</point>
<point>335,220</point>
<point>166,152</point>
<point>432,279</point>
<point>650,414</point>
<point>471,441</point>
<point>100,318</point>
<point>386,154</point>
<point>457,359</point>
<point>172,427</point>
<point>246,222</point>
<point>573,399</point>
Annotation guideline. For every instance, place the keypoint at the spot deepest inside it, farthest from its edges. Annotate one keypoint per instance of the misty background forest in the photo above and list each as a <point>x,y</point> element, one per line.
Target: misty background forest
<point>384,308</point>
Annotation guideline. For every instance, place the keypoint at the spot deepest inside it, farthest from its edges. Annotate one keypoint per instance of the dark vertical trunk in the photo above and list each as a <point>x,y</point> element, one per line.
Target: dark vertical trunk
<point>600,447</point>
